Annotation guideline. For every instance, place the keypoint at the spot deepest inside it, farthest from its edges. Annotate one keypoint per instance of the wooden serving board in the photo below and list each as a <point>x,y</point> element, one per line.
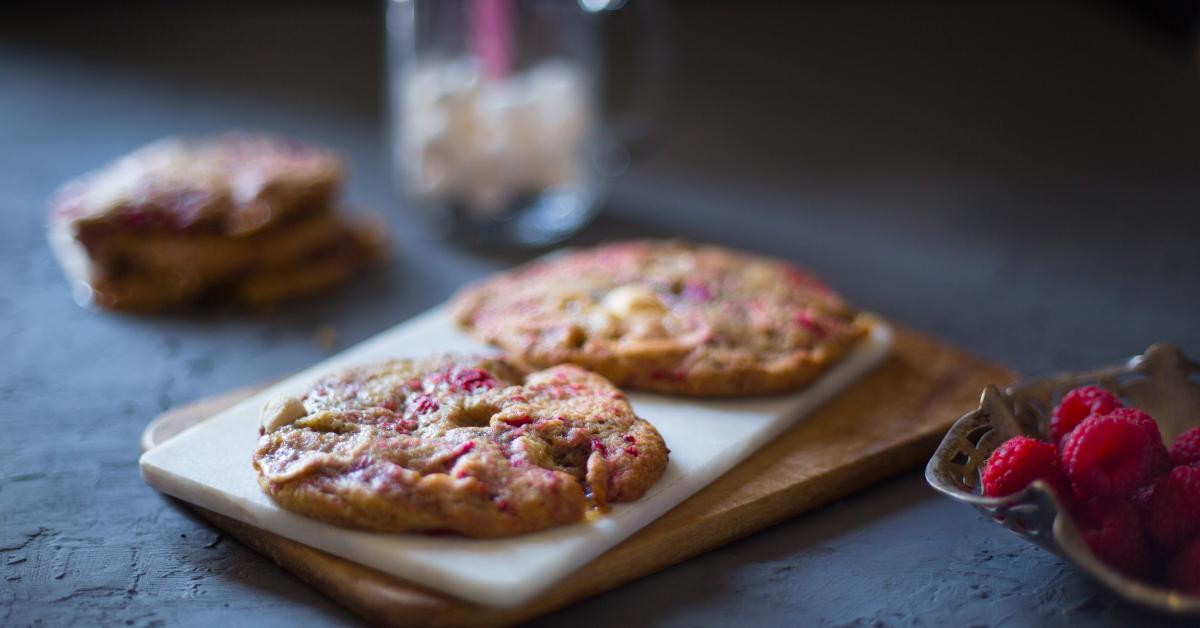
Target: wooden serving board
<point>887,422</point>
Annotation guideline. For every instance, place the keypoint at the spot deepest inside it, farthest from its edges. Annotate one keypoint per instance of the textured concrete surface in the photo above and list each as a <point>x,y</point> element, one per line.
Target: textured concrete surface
<point>1021,180</point>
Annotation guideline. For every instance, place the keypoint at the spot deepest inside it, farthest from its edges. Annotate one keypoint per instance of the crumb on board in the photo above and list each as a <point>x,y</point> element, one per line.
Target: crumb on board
<point>327,337</point>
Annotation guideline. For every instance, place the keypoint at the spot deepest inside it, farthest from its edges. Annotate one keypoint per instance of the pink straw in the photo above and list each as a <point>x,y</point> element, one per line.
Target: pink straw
<point>491,24</point>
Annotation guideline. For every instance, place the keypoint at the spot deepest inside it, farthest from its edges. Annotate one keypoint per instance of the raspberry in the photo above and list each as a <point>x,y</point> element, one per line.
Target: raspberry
<point>1107,457</point>
<point>696,291</point>
<point>806,320</point>
<point>1184,571</point>
<point>472,379</point>
<point>1120,541</point>
<point>1090,513</point>
<point>1186,449</point>
<point>518,421</point>
<point>1161,460</point>
<point>1020,461</point>
<point>1141,497</point>
<point>1077,405</point>
<point>421,403</point>
<point>463,449</point>
<point>1173,509</point>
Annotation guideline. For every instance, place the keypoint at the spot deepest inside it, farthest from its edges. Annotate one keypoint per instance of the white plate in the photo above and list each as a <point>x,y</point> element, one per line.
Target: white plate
<point>209,465</point>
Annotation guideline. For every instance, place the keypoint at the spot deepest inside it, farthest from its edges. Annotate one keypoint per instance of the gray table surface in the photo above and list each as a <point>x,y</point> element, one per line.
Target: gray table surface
<point>1021,180</point>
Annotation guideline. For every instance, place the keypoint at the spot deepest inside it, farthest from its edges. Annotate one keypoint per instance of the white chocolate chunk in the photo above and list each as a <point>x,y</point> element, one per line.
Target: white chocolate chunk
<point>631,300</point>
<point>281,411</point>
<point>601,324</point>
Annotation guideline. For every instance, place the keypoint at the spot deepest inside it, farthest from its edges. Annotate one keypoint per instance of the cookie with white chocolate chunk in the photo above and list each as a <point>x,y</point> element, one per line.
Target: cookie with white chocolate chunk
<point>456,443</point>
<point>666,316</point>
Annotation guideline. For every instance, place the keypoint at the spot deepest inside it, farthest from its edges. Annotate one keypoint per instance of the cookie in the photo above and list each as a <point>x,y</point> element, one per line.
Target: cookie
<point>181,221</point>
<point>666,316</point>
<point>456,444</point>
<point>233,183</point>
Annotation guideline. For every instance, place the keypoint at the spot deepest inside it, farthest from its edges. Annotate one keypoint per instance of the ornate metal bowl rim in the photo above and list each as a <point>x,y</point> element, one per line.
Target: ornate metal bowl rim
<point>1046,523</point>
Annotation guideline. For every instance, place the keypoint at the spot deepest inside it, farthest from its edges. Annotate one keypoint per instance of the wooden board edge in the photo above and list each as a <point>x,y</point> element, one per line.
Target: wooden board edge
<point>374,595</point>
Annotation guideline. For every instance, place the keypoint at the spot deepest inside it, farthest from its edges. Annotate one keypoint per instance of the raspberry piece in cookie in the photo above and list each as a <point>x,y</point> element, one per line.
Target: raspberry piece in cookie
<point>1077,405</point>
<point>1108,456</point>
<point>666,316</point>
<point>453,443</point>
<point>1017,463</point>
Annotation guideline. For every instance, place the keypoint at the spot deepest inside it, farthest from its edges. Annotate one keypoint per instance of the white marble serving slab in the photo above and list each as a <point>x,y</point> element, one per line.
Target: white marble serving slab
<point>209,465</point>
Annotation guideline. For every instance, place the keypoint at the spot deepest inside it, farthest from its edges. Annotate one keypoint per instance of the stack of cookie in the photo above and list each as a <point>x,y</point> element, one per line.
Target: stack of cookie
<point>238,217</point>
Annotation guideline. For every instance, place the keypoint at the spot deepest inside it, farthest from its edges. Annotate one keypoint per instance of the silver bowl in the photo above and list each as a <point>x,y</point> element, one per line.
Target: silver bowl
<point>1162,381</point>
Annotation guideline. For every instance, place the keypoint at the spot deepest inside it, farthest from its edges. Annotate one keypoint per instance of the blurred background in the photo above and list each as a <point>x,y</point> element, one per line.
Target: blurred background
<point>900,149</point>
<point>1020,179</point>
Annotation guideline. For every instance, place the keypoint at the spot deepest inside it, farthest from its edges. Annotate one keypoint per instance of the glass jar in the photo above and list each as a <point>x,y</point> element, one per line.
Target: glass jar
<point>497,130</point>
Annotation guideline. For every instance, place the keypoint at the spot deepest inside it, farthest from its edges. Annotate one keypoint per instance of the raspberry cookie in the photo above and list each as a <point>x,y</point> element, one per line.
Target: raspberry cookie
<point>180,220</point>
<point>456,444</point>
<point>666,316</point>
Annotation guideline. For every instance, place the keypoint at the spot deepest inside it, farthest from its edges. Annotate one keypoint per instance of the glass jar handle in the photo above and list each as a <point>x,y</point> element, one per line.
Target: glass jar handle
<point>638,54</point>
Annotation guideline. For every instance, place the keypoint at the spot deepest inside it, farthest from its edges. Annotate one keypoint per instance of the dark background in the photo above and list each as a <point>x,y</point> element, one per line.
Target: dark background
<point>1020,179</point>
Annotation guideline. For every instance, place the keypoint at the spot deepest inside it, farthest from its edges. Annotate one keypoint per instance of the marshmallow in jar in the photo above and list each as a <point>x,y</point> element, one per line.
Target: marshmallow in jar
<point>483,143</point>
